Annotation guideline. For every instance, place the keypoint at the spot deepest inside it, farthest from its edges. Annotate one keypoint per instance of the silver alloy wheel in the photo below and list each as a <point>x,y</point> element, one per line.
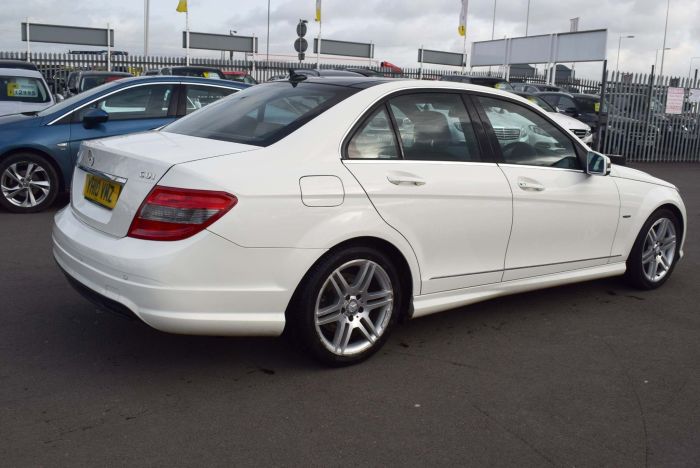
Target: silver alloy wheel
<point>354,307</point>
<point>25,184</point>
<point>659,250</point>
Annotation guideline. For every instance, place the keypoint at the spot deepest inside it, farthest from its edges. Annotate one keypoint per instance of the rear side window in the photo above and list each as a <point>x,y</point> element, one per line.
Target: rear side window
<point>263,114</point>
<point>375,139</point>
<point>23,89</point>
<point>435,127</point>
<point>198,96</point>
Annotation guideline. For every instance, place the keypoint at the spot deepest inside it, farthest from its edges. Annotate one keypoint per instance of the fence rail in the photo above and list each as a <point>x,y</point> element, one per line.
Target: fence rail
<point>633,118</point>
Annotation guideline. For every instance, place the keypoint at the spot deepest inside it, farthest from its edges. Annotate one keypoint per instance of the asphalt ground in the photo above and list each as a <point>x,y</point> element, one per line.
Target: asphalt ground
<point>594,374</point>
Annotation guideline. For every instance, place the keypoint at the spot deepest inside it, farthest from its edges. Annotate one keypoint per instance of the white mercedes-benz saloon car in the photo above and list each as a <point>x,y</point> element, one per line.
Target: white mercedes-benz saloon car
<point>336,207</point>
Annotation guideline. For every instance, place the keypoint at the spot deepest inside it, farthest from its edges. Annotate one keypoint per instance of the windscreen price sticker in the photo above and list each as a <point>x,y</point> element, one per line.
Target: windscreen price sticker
<point>21,90</point>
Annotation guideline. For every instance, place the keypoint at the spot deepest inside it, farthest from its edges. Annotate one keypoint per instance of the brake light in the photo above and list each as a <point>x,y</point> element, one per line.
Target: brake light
<point>169,214</point>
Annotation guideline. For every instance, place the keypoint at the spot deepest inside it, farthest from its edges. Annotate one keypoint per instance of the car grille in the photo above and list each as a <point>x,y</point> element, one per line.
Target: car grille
<point>579,133</point>
<point>507,133</point>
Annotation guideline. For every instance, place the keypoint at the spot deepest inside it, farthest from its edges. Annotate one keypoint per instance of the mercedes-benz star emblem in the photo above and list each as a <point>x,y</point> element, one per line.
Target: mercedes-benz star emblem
<point>90,159</point>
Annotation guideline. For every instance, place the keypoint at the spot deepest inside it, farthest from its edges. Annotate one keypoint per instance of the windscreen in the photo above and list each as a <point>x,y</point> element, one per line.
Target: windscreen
<point>23,89</point>
<point>92,81</point>
<point>540,102</point>
<point>263,114</point>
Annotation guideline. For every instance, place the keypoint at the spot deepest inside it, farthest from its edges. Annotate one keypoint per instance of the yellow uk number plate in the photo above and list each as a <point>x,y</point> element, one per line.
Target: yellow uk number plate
<point>102,191</point>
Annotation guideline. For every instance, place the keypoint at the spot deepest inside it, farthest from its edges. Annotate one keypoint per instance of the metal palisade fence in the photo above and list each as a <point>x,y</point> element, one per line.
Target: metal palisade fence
<point>651,118</point>
<point>642,117</point>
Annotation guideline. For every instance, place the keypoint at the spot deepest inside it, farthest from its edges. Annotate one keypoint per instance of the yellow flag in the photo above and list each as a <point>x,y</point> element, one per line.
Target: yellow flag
<point>318,11</point>
<point>462,29</point>
<point>181,6</point>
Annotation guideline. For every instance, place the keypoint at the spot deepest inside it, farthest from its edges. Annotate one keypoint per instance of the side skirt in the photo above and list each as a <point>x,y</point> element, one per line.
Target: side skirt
<point>427,304</point>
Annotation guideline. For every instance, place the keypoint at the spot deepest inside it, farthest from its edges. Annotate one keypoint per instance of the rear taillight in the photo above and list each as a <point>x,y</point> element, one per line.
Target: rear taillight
<point>170,214</point>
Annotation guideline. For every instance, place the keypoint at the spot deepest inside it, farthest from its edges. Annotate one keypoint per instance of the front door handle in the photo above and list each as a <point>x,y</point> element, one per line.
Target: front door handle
<point>530,185</point>
<point>404,179</point>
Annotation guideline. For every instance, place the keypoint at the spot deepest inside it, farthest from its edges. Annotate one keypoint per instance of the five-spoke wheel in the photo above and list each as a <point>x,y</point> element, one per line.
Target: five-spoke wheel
<point>655,251</point>
<point>347,305</point>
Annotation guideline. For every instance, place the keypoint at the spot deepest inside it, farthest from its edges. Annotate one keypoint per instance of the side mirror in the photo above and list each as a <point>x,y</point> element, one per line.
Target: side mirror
<point>58,98</point>
<point>597,164</point>
<point>94,117</point>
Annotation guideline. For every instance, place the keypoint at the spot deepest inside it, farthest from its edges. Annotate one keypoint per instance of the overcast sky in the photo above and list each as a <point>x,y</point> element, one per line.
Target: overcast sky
<point>396,27</point>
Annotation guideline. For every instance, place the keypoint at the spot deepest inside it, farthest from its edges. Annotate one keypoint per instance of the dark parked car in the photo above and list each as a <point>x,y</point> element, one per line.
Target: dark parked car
<point>490,81</point>
<point>584,107</point>
<point>38,150</point>
<point>202,72</point>
<point>80,81</point>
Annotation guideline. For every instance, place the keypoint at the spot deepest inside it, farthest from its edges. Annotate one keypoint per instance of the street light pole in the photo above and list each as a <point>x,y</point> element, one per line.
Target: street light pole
<point>267,42</point>
<point>656,56</point>
<point>527,18</point>
<point>663,52</point>
<point>146,14</point>
<point>493,25</point>
<point>690,65</point>
<point>619,45</point>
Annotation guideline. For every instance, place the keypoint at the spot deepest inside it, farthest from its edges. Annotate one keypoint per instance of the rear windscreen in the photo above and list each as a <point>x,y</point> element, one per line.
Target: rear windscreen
<point>23,89</point>
<point>263,114</point>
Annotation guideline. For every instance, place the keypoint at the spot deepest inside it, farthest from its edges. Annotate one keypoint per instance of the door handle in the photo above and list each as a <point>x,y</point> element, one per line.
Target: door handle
<point>404,179</point>
<point>530,185</point>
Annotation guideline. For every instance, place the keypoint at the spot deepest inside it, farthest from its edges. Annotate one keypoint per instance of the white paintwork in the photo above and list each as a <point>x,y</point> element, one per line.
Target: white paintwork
<point>454,231</point>
<point>573,124</point>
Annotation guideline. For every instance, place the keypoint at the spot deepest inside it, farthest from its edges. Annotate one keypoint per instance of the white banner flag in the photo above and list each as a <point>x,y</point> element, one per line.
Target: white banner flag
<point>462,29</point>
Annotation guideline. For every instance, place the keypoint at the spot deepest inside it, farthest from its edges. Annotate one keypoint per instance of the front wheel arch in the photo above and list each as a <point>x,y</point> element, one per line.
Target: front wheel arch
<point>43,154</point>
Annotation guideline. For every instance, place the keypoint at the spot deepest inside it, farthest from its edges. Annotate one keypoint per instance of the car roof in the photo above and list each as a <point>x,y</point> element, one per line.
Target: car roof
<point>18,64</point>
<point>354,80</point>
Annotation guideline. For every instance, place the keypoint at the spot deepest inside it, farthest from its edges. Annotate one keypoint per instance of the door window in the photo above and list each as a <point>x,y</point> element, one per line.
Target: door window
<point>435,127</point>
<point>199,96</point>
<point>140,102</point>
<point>527,138</point>
<point>552,100</point>
<point>567,104</point>
<point>375,139</point>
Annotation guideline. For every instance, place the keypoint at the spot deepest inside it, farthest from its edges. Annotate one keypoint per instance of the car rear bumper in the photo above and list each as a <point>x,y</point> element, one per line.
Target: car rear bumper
<point>203,285</point>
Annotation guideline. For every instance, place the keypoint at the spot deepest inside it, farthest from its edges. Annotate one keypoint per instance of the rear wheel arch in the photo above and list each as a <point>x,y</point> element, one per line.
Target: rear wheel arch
<point>44,155</point>
<point>396,256</point>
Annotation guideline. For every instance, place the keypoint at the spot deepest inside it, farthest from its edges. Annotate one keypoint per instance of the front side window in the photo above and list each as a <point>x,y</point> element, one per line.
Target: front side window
<point>263,114</point>
<point>23,89</point>
<point>140,102</point>
<point>375,139</point>
<point>198,96</point>
<point>434,127</point>
<point>527,138</point>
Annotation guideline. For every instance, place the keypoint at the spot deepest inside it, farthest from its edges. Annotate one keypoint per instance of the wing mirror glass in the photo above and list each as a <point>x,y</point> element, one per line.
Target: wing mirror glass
<point>94,117</point>
<point>597,164</point>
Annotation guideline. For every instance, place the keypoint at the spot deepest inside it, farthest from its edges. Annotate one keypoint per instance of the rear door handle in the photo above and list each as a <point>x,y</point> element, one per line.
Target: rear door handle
<point>404,179</point>
<point>530,185</point>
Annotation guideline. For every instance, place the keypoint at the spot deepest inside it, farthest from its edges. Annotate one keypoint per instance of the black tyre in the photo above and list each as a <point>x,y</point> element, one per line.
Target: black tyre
<point>347,305</point>
<point>655,251</point>
<point>28,183</point>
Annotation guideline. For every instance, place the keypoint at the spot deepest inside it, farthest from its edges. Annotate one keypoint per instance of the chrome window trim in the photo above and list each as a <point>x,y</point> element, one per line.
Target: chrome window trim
<point>135,86</point>
<point>533,166</point>
<point>416,161</point>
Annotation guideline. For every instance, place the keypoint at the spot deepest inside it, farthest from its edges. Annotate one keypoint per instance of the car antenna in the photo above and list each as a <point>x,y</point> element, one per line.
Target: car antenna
<point>295,78</point>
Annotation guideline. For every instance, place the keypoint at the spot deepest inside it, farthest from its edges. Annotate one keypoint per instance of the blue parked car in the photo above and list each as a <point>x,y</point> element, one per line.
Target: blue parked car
<point>38,149</point>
